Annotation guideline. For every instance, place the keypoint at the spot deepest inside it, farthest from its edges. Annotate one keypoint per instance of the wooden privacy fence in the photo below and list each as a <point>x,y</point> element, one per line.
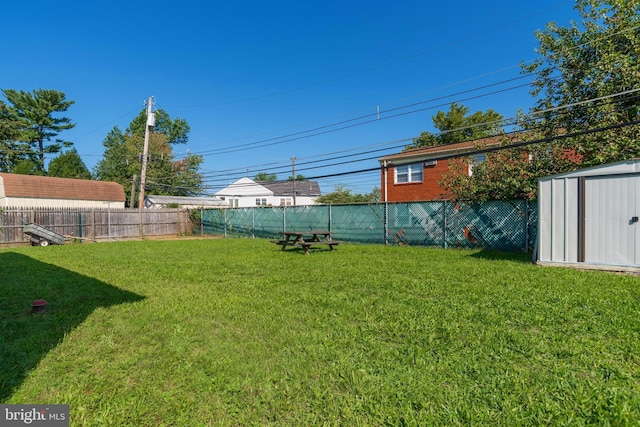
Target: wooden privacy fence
<point>94,224</point>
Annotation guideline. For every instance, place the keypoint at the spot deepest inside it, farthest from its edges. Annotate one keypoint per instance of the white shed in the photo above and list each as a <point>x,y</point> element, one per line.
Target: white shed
<point>589,217</point>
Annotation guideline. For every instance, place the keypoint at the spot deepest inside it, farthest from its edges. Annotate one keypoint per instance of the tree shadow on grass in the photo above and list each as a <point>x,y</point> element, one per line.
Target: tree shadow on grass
<point>26,337</point>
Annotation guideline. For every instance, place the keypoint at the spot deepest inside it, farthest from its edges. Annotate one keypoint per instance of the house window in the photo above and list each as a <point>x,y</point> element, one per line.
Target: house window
<point>475,160</point>
<point>261,201</point>
<point>234,203</point>
<point>409,173</point>
<point>285,202</point>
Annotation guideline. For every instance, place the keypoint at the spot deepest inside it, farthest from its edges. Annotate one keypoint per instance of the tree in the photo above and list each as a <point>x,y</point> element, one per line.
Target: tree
<point>503,175</point>
<point>36,124</point>
<point>456,125</point>
<point>165,175</point>
<point>595,59</point>
<point>265,177</point>
<point>11,151</point>
<point>26,167</point>
<point>115,165</point>
<point>69,165</point>
<point>343,195</point>
<point>298,178</point>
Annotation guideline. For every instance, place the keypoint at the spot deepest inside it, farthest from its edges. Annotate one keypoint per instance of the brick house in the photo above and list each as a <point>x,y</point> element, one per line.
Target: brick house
<point>414,175</point>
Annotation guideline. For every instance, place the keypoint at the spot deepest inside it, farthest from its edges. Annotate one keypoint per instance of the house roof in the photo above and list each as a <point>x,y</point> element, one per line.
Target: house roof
<point>437,151</point>
<point>46,187</point>
<point>248,187</point>
<point>285,188</point>
<point>244,187</point>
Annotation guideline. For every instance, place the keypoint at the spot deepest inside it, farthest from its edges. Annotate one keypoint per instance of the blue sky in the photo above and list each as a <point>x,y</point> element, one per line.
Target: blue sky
<point>337,84</point>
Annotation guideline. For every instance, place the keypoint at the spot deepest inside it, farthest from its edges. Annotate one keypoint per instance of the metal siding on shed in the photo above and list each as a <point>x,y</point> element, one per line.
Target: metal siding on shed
<point>611,237</point>
<point>571,218</point>
<point>558,219</point>
<point>545,232</point>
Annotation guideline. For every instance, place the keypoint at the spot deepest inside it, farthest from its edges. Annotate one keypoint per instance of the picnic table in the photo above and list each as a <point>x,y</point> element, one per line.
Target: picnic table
<point>306,239</point>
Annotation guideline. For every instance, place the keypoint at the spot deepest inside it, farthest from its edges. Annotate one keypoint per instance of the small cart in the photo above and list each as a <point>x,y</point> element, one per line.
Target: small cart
<point>41,236</point>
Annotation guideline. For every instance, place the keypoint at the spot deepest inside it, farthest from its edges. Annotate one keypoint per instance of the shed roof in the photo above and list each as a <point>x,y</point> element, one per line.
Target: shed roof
<point>629,166</point>
<point>46,187</point>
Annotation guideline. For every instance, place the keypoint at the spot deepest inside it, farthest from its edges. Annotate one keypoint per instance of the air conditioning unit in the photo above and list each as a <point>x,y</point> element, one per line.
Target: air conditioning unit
<point>430,162</point>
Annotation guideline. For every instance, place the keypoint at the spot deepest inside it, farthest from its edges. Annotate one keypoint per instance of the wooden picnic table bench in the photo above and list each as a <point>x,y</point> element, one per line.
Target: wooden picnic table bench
<point>306,239</point>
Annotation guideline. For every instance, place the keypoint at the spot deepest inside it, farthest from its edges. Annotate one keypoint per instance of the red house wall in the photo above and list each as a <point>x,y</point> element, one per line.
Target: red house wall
<point>428,189</point>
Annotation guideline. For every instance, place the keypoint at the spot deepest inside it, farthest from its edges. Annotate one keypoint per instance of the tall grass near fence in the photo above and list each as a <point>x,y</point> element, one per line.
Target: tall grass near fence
<point>227,332</point>
<point>504,225</point>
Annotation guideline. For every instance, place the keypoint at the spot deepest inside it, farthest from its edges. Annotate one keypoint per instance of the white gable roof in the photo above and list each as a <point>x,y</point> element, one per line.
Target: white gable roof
<point>245,187</point>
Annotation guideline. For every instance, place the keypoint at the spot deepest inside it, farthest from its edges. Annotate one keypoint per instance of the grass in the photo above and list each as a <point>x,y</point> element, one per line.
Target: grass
<point>237,332</point>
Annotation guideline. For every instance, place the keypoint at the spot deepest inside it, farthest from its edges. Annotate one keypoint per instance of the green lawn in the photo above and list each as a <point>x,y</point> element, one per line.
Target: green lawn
<point>236,332</point>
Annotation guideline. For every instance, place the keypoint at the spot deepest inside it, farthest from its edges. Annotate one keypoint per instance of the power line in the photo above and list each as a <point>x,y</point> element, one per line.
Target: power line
<point>368,118</point>
<point>500,148</point>
<point>514,145</point>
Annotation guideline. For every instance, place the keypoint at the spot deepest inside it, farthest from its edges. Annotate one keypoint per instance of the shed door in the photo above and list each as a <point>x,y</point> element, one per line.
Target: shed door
<point>611,230</point>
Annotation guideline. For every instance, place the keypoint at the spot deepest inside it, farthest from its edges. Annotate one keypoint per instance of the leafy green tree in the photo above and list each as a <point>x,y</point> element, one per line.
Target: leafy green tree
<point>115,164</point>
<point>375,195</point>
<point>298,178</point>
<point>12,151</point>
<point>26,167</point>
<point>263,176</point>
<point>343,195</point>
<point>504,175</point>
<point>166,175</point>
<point>457,125</point>
<point>33,112</point>
<point>69,165</point>
<point>594,59</point>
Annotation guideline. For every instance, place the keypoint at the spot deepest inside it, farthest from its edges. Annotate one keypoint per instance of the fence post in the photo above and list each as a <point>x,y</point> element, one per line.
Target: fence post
<point>444,224</point>
<point>93,224</point>
<point>225,223</point>
<point>330,220</point>
<point>109,220</point>
<point>386,222</point>
<point>253,222</point>
<point>201,222</point>
<point>80,225</point>
<point>526,225</point>
<point>284,218</point>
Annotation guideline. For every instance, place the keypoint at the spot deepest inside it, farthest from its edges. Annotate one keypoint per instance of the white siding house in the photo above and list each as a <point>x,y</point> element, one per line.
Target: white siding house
<point>590,217</point>
<point>246,193</point>
<point>48,192</point>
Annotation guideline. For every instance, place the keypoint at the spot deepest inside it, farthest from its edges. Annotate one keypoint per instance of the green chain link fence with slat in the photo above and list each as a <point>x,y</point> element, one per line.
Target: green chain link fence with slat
<point>502,225</point>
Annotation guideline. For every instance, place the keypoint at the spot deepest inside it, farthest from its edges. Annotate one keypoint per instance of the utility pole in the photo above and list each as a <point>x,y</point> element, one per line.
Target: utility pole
<point>151,121</point>
<point>293,175</point>
<point>133,192</point>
